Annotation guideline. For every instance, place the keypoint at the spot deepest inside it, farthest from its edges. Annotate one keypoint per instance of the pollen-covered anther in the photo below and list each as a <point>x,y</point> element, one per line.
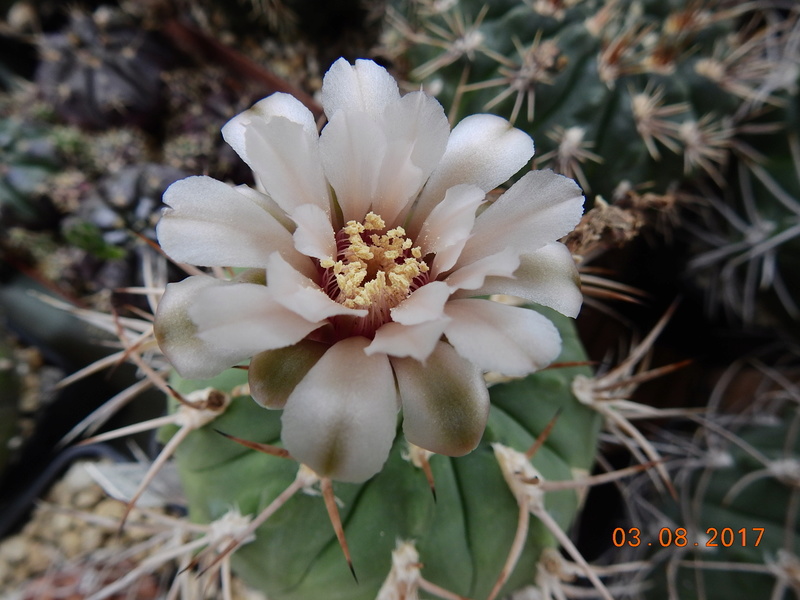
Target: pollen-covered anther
<point>375,269</point>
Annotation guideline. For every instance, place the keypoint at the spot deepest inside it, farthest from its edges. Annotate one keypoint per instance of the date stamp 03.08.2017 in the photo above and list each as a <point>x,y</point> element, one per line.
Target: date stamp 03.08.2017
<point>679,537</point>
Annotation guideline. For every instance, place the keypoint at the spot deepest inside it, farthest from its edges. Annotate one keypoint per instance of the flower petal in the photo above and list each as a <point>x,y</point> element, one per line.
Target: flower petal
<point>352,148</point>
<point>540,208</point>
<point>416,341</point>
<point>234,132</point>
<point>341,418</point>
<point>314,235</point>
<point>445,401</point>
<point>213,225</point>
<point>285,158</point>
<point>365,86</point>
<point>300,295</point>
<point>245,319</point>
<point>449,224</point>
<point>548,277</point>
<point>424,304</point>
<point>483,150</point>
<point>510,340</point>
<point>473,275</point>
<point>273,375</point>
<point>177,334</point>
<point>417,131</point>
<point>379,151</point>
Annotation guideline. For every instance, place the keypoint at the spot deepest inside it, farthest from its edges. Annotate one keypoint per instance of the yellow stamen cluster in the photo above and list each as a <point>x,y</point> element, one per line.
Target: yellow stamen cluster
<point>375,274</point>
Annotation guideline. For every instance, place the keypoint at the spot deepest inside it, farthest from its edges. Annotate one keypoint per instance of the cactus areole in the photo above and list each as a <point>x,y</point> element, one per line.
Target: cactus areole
<point>364,259</point>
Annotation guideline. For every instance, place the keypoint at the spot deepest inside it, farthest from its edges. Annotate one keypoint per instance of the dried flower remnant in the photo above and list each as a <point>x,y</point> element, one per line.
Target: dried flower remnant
<point>360,263</point>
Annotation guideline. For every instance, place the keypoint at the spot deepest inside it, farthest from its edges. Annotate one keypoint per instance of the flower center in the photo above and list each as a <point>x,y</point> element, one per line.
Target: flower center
<point>374,269</point>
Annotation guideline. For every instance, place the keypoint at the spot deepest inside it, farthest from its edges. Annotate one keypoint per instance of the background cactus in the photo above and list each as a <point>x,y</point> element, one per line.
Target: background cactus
<point>747,240</point>
<point>736,480</point>
<point>631,97</point>
<point>613,92</point>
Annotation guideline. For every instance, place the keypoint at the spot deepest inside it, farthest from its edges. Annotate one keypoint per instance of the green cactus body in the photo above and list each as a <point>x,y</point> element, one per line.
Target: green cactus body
<point>463,536</point>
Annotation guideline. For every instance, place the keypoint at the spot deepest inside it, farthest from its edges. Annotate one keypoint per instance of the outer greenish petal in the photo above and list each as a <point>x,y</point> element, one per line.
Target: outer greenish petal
<point>274,374</point>
<point>445,401</point>
<point>177,334</point>
<point>341,418</point>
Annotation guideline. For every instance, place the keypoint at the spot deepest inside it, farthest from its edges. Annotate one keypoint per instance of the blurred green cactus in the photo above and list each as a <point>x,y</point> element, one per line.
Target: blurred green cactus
<point>30,157</point>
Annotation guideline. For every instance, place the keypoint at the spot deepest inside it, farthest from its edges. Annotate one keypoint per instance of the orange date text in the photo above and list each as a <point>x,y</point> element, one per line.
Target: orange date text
<point>667,536</point>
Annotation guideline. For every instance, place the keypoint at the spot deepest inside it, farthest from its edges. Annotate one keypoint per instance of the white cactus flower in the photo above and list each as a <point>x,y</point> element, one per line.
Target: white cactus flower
<point>361,261</point>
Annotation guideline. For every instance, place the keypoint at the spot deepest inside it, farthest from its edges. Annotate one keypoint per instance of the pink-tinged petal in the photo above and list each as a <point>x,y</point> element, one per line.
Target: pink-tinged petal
<point>245,319</point>
<point>201,340</point>
<point>276,105</point>
<point>473,275</point>
<point>445,401</point>
<point>273,375</point>
<point>341,418</point>
<point>364,86</point>
<point>300,295</point>
<point>540,208</point>
<point>352,148</point>
<point>285,157</point>
<point>510,340</point>
<point>483,150</point>
<point>448,226</point>
<point>424,304</point>
<point>177,334</point>
<point>213,225</point>
<point>548,277</point>
<point>314,235</point>
<point>416,341</point>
